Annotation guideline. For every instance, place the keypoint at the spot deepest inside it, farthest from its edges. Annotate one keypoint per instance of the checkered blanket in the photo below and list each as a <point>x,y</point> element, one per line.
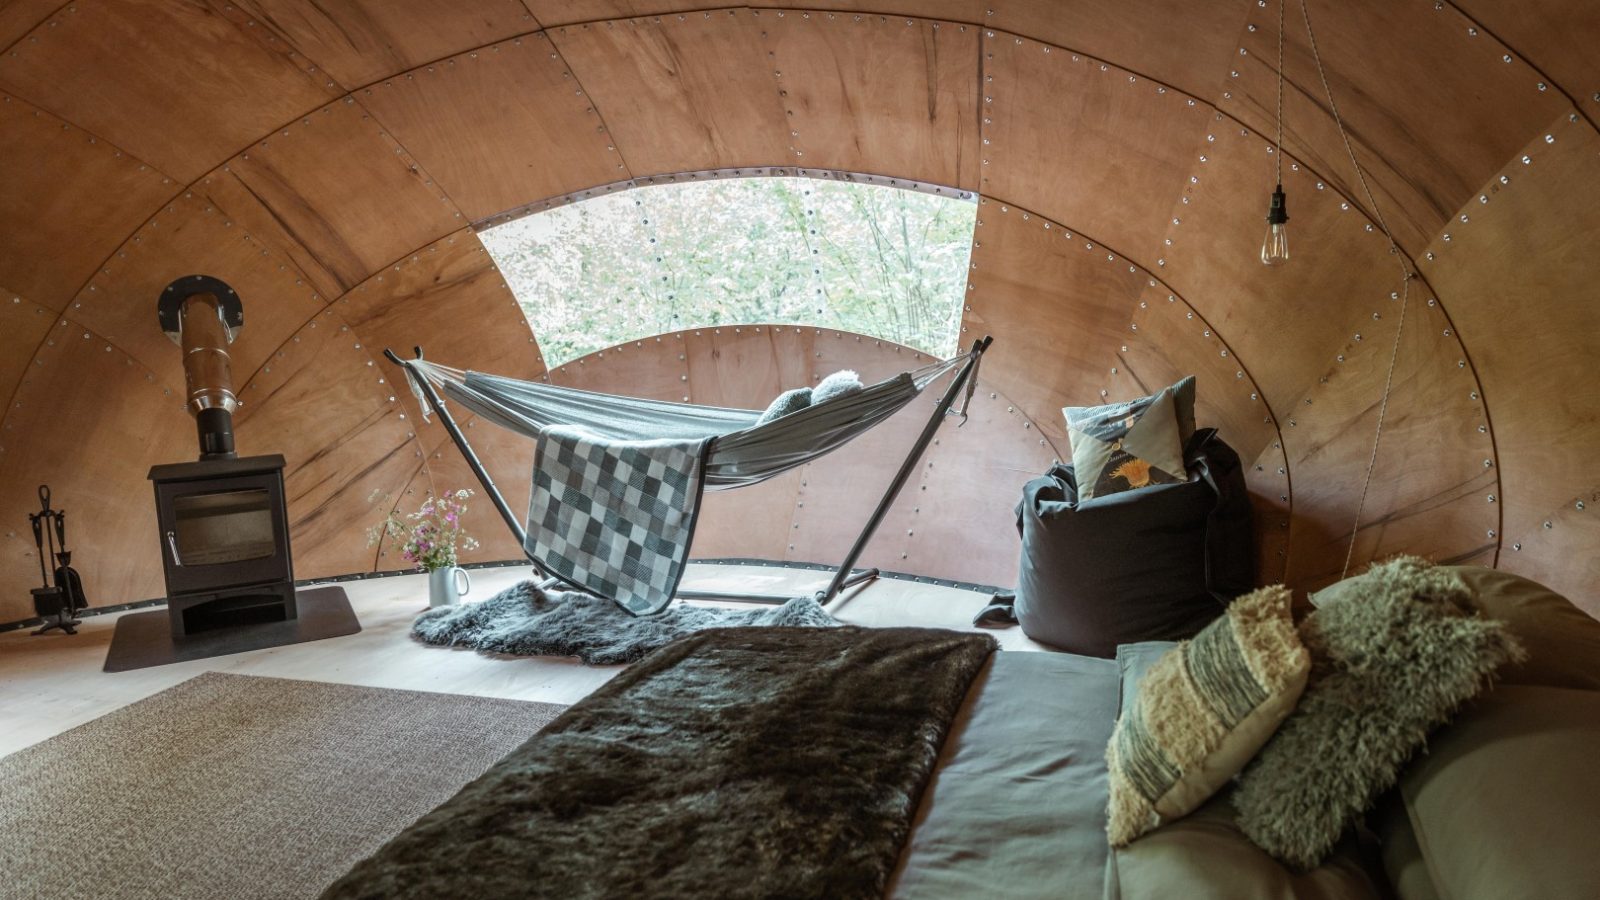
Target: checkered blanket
<point>616,517</point>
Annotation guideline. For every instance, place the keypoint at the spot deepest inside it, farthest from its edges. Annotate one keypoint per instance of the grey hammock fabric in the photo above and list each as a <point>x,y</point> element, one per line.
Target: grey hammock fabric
<point>615,517</point>
<point>742,452</point>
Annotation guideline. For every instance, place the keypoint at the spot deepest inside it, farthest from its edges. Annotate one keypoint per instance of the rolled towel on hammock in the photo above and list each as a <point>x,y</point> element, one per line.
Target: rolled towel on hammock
<point>840,384</point>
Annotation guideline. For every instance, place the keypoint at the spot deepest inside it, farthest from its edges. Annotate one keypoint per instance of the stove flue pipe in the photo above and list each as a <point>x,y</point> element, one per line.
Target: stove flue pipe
<point>201,314</point>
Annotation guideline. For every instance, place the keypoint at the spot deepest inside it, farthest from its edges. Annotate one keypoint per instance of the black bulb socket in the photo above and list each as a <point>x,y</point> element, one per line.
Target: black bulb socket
<point>1278,211</point>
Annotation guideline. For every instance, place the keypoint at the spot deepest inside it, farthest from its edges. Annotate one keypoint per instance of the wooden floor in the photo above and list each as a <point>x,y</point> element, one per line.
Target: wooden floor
<point>51,683</point>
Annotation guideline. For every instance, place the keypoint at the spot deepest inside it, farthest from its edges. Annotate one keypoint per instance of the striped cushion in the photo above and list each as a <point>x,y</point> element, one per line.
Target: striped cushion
<point>1202,711</point>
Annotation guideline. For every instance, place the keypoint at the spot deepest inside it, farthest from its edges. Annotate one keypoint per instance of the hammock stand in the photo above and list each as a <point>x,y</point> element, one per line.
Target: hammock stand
<point>844,576</point>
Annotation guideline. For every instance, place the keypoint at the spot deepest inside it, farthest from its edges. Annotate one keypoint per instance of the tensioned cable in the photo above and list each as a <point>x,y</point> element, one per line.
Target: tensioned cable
<point>1277,152</point>
<point>1394,249</point>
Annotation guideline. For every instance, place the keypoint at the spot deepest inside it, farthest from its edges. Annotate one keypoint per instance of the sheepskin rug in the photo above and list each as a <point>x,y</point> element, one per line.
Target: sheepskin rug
<point>525,621</point>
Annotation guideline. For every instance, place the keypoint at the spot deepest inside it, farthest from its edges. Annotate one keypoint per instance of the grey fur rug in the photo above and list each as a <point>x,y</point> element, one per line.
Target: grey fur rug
<point>737,764</point>
<point>525,621</point>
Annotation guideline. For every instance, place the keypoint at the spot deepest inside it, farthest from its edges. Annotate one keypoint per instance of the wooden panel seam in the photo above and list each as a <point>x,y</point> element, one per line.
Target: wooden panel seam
<point>37,25</point>
<point>1527,61</point>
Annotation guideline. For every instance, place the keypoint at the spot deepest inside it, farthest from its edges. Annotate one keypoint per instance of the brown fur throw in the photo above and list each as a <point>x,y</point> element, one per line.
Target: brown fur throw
<point>747,762</point>
<point>1391,659</point>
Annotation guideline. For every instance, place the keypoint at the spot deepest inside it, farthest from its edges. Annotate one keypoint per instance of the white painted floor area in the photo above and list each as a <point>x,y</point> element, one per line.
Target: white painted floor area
<point>54,682</point>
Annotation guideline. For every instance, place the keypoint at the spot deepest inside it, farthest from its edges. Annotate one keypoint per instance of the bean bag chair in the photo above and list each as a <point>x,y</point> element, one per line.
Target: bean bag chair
<point>1152,564</point>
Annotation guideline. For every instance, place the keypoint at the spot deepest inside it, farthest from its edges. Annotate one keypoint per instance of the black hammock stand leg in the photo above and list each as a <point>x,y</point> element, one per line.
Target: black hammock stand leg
<point>483,476</point>
<point>844,576</point>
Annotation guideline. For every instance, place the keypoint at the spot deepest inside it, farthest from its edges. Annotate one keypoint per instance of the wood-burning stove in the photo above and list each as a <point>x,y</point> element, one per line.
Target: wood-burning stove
<point>224,528</point>
<point>223,521</point>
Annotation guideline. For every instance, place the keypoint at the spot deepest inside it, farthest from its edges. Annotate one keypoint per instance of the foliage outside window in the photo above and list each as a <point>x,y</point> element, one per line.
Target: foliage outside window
<point>856,257</point>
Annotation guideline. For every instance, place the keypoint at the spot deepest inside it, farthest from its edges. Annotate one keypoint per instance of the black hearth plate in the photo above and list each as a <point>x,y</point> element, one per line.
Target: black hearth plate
<point>143,640</point>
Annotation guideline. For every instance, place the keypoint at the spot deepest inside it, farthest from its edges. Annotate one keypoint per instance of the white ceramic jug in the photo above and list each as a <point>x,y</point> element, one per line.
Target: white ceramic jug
<point>447,584</point>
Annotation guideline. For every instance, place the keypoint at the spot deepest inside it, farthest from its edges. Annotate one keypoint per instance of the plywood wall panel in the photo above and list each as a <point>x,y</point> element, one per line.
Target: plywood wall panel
<point>534,133</point>
<point>23,326</point>
<point>655,368</point>
<point>1181,43</point>
<point>386,553</point>
<point>743,367</point>
<point>1339,263</point>
<point>1082,141</point>
<point>316,402</point>
<point>1172,342</point>
<point>68,199</point>
<point>680,93</point>
<point>358,42</point>
<point>1434,475</point>
<point>18,17</point>
<point>1058,304</point>
<point>338,185</point>
<point>425,299</point>
<point>1557,37</point>
<point>106,67</point>
<point>1425,146</point>
<point>969,11</point>
<point>891,96</point>
<point>509,459</point>
<point>191,236</point>
<point>110,401</point>
<point>963,499</point>
<point>1519,279</point>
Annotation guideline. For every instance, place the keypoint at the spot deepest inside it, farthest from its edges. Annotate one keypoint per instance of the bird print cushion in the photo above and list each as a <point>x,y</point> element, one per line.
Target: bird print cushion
<point>1134,444</point>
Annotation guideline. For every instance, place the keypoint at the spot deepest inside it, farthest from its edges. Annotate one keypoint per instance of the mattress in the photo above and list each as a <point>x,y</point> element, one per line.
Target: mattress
<point>1016,808</point>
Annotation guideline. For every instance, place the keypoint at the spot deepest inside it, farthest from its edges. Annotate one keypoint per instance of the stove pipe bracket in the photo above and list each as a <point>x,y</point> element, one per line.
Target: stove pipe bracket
<point>202,314</point>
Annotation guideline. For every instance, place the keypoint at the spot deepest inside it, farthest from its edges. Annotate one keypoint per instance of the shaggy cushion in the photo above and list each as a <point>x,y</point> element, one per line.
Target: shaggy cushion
<point>1388,664</point>
<point>840,384</point>
<point>525,621</point>
<point>1563,642</point>
<point>1202,711</point>
<point>1134,444</point>
<point>746,762</point>
<point>786,403</point>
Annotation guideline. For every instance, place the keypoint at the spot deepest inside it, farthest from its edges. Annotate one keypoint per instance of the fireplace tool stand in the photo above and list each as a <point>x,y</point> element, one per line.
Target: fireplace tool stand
<point>62,593</point>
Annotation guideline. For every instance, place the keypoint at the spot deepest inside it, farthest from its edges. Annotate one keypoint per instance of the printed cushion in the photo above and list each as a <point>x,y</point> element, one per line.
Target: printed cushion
<point>1202,710</point>
<point>1131,445</point>
<point>1390,662</point>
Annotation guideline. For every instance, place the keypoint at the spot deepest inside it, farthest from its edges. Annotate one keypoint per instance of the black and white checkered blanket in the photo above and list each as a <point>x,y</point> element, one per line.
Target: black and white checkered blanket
<point>616,517</point>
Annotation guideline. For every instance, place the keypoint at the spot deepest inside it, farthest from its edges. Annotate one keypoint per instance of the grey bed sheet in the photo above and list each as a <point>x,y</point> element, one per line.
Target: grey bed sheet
<point>1019,812</point>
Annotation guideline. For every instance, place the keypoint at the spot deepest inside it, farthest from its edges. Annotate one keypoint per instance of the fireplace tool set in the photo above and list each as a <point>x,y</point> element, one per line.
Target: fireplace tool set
<point>62,593</point>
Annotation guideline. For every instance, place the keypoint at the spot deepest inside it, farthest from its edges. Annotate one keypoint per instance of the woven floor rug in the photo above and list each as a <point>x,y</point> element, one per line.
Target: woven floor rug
<point>525,621</point>
<point>240,786</point>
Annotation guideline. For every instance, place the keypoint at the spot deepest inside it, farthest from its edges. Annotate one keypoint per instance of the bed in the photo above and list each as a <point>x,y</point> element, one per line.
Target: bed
<point>712,769</point>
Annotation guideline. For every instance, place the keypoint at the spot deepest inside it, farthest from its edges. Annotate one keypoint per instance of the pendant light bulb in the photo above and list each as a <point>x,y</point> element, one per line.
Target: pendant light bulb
<point>1275,247</point>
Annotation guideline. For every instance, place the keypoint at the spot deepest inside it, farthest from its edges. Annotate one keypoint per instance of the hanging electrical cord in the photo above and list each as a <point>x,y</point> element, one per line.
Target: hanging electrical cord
<point>1277,153</point>
<point>1394,250</point>
<point>1275,246</point>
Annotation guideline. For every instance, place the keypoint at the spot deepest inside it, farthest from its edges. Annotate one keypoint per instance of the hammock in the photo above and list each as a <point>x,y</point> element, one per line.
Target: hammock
<point>741,452</point>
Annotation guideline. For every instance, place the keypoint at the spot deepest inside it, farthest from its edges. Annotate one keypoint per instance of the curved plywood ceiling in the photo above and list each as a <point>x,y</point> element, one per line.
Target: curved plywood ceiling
<point>330,159</point>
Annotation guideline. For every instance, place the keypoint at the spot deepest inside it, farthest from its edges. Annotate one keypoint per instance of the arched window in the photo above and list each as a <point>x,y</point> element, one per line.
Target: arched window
<point>868,258</point>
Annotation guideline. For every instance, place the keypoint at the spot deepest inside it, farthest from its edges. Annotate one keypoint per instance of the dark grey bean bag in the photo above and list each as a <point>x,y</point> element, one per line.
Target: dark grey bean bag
<point>1153,564</point>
